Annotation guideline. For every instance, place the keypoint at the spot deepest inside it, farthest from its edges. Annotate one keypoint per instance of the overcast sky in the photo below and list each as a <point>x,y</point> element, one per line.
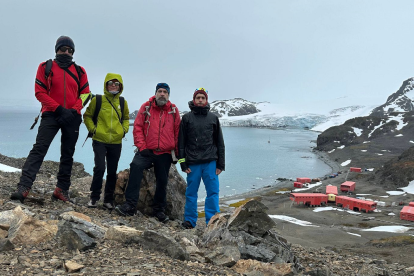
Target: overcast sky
<point>291,52</point>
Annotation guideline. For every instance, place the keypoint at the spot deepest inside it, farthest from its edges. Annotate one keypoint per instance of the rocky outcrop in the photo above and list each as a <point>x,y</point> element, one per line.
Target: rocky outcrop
<point>246,234</point>
<point>400,101</point>
<point>175,192</point>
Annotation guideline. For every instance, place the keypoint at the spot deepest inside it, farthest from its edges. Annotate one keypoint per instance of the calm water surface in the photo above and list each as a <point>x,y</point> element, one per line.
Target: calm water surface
<point>251,161</point>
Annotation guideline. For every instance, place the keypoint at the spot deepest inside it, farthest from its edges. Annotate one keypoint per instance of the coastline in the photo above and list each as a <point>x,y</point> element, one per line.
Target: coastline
<point>323,156</point>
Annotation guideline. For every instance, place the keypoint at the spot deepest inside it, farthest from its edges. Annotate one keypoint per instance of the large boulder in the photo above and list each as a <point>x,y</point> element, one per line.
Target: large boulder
<point>72,238</point>
<point>24,229</point>
<point>250,230</point>
<point>175,192</point>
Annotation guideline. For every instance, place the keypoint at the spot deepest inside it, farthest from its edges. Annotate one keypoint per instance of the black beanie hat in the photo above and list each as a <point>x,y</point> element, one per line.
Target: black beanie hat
<point>64,41</point>
<point>162,85</point>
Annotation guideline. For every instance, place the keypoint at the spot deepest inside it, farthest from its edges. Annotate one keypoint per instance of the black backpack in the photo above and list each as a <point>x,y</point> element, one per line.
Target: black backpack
<point>48,70</point>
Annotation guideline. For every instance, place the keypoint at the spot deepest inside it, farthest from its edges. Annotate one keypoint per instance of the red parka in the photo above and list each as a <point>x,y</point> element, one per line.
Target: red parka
<point>158,130</point>
<point>63,88</point>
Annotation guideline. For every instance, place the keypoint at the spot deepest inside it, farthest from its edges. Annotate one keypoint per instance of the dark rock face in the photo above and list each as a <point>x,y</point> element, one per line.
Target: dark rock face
<point>175,192</point>
<point>398,171</point>
<point>5,245</point>
<point>164,243</point>
<point>398,100</point>
<point>74,239</point>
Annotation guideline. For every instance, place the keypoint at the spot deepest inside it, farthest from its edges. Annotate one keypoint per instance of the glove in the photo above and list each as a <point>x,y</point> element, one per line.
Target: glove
<point>64,116</point>
<point>183,166</point>
<point>145,152</point>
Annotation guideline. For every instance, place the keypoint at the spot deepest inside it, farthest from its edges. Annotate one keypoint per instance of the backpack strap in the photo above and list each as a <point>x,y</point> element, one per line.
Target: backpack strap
<point>97,109</point>
<point>147,111</point>
<point>173,108</point>
<point>122,105</point>
<point>48,68</point>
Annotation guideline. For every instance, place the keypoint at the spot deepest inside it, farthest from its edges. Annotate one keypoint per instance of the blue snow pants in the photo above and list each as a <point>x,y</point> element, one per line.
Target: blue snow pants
<point>206,171</point>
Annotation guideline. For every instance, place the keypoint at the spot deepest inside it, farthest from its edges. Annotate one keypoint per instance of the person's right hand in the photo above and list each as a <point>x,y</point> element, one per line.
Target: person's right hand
<point>188,170</point>
<point>145,152</point>
<point>65,116</point>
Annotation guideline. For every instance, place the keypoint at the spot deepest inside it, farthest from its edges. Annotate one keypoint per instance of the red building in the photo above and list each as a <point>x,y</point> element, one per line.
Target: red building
<point>303,180</point>
<point>309,199</point>
<point>348,186</point>
<point>407,213</point>
<point>298,184</point>
<point>331,190</point>
<point>411,204</point>
<point>355,204</point>
<point>353,169</point>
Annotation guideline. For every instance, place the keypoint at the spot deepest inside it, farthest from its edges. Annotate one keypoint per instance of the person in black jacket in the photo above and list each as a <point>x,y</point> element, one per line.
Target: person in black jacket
<point>201,155</point>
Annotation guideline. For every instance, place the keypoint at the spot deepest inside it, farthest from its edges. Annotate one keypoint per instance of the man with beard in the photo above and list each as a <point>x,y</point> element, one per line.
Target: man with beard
<point>201,153</point>
<point>155,135</point>
<point>62,88</point>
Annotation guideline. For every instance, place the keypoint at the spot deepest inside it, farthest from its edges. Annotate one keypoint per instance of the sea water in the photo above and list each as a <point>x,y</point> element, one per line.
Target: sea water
<point>255,157</point>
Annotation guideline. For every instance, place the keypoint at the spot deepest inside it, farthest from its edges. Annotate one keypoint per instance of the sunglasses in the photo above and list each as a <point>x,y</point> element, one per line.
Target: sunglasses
<point>201,89</point>
<point>110,83</point>
<point>65,48</point>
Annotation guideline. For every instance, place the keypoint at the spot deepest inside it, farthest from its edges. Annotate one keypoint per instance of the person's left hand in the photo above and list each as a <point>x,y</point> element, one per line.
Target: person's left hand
<point>218,171</point>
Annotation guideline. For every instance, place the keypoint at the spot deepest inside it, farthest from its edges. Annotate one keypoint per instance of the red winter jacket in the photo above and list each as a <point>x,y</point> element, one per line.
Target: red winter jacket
<point>63,88</point>
<point>159,130</point>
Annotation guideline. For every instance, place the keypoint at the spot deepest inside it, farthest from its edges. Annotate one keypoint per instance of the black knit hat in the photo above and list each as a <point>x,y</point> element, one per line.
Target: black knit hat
<point>64,41</point>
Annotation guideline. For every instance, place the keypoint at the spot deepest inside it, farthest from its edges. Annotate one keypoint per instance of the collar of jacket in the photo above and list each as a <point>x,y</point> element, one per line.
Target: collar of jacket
<point>199,109</point>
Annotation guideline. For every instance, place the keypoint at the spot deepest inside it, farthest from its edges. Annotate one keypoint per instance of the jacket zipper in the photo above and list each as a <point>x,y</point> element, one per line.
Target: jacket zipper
<point>159,129</point>
<point>64,89</point>
<point>112,115</point>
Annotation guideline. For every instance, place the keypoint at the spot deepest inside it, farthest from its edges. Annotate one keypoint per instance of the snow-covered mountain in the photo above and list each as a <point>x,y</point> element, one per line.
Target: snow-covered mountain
<point>400,101</point>
<point>233,107</point>
<point>275,115</point>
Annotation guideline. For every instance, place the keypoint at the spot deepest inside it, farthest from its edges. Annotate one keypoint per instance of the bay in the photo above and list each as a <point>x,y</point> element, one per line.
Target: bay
<point>255,157</point>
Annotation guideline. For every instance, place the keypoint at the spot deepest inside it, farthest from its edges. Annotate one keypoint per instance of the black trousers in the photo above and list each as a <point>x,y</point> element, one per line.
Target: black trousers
<point>112,153</point>
<point>140,163</point>
<point>48,129</point>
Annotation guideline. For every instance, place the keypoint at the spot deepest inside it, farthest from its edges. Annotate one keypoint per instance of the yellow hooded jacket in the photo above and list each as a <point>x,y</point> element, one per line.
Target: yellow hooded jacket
<point>109,129</point>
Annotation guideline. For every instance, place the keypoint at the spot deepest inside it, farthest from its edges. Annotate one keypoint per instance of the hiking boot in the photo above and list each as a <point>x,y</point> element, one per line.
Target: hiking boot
<point>92,203</point>
<point>108,206</point>
<point>20,193</point>
<point>187,225</point>
<point>162,217</point>
<point>125,210</point>
<point>59,194</point>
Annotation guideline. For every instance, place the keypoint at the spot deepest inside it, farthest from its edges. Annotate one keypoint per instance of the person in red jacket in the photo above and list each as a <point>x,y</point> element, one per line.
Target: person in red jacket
<point>63,92</point>
<point>155,133</point>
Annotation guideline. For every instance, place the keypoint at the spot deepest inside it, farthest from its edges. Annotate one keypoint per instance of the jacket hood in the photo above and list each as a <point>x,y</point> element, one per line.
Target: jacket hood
<point>111,76</point>
<point>152,101</point>
<point>199,109</point>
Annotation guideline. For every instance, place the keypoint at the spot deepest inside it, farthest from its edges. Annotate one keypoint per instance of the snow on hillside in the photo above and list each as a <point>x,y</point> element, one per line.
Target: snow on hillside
<point>340,116</point>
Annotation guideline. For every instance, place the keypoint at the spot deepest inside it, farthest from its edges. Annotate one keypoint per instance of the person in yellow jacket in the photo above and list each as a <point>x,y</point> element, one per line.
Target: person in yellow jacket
<point>107,134</point>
